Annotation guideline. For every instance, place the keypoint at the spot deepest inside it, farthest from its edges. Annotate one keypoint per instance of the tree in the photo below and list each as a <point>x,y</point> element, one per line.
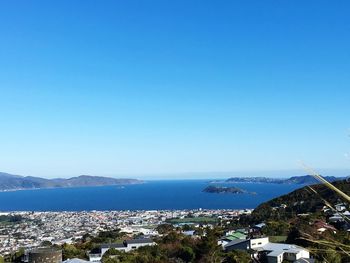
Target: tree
<point>17,257</point>
<point>46,243</point>
<point>186,254</point>
<point>165,228</point>
<point>87,237</point>
<point>332,256</point>
<point>70,251</point>
<point>171,237</point>
<point>188,227</point>
<point>237,256</point>
<point>110,260</point>
<point>111,252</point>
<point>207,248</point>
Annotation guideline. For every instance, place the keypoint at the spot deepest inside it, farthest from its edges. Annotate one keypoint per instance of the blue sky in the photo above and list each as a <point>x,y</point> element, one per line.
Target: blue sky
<point>170,87</point>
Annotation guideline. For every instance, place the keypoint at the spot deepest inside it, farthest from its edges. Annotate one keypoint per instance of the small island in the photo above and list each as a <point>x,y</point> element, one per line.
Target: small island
<point>223,190</point>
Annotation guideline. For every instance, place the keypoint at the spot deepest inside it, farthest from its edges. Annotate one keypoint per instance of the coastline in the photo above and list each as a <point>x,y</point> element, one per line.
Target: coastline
<point>66,187</point>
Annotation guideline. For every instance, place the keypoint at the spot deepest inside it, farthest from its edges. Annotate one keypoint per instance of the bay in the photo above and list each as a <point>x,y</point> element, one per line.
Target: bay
<point>169,194</point>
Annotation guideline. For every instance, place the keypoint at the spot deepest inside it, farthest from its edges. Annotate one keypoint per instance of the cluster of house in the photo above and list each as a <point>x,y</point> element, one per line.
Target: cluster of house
<point>134,223</point>
<point>259,248</point>
<point>338,216</point>
<point>341,214</point>
<point>47,255</point>
<point>67,227</point>
<point>278,252</point>
<point>52,255</point>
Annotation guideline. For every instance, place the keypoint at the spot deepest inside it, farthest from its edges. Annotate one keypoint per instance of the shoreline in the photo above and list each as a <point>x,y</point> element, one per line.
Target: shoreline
<point>65,187</point>
<point>129,210</point>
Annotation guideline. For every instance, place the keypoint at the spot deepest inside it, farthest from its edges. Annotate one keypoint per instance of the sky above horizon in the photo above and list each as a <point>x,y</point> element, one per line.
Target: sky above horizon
<point>173,87</point>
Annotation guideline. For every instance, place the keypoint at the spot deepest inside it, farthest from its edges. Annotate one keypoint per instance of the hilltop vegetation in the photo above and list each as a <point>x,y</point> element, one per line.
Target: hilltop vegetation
<point>297,218</point>
<point>300,201</point>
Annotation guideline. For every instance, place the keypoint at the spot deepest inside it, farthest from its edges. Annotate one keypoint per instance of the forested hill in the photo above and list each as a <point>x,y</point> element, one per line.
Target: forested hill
<point>300,201</point>
<point>17,182</point>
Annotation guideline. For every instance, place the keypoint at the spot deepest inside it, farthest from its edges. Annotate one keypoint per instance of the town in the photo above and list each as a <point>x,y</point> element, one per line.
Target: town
<point>43,234</point>
<point>35,228</point>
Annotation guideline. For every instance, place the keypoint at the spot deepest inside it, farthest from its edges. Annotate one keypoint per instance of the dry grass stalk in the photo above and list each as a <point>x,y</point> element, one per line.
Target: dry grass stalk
<point>326,183</point>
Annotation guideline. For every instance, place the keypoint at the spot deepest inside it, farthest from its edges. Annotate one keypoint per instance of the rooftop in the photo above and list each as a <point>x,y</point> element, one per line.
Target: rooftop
<point>126,242</point>
<point>139,241</point>
<point>74,260</point>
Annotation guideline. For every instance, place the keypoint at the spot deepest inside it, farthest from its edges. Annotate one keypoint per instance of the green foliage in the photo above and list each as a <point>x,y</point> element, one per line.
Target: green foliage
<point>164,228</point>
<point>107,236</point>
<point>112,252</point>
<point>207,247</point>
<point>299,201</point>
<point>174,247</point>
<point>87,237</point>
<point>46,244</point>
<point>295,236</point>
<point>331,256</point>
<point>71,251</point>
<point>171,237</point>
<point>188,227</point>
<point>110,260</point>
<point>16,257</point>
<point>186,254</point>
<point>276,228</point>
<point>237,256</point>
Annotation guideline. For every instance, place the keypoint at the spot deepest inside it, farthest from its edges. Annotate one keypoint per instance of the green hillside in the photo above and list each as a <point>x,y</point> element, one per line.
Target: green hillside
<point>300,201</point>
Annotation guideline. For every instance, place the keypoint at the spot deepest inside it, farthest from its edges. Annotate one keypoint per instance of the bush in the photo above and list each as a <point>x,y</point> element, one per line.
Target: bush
<point>237,256</point>
<point>186,254</point>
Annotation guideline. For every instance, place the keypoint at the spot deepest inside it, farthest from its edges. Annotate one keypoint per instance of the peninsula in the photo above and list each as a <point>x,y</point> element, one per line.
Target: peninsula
<point>10,182</point>
<point>304,180</point>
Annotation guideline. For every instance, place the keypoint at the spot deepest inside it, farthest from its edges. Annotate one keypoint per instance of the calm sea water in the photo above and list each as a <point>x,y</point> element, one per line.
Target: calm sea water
<point>179,194</point>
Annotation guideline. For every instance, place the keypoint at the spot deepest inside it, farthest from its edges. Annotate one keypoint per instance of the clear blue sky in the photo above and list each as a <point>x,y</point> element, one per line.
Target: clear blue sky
<point>167,87</point>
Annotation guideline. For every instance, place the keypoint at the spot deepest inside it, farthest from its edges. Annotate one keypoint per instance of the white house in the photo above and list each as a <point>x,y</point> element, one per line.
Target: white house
<point>75,260</point>
<point>125,246</point>
<point>274,252</point>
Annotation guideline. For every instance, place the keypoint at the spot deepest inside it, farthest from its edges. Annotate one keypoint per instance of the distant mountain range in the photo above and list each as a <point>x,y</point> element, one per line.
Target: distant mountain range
<point>306,179</point>
<point>17,182</point>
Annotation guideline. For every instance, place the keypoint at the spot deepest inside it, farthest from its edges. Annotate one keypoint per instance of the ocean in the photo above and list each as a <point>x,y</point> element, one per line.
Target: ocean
<point>176,194</point>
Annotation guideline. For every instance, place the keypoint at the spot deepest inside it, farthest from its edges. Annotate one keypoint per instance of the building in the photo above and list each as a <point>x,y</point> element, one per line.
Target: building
<point>337,217</point>
<point>75,260</point>
<point>231,236</point>
<point>272,252</point>
<point>340,207</point>
<point>126,246</point>
<point>45,255</point>
<point>322,226</point>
